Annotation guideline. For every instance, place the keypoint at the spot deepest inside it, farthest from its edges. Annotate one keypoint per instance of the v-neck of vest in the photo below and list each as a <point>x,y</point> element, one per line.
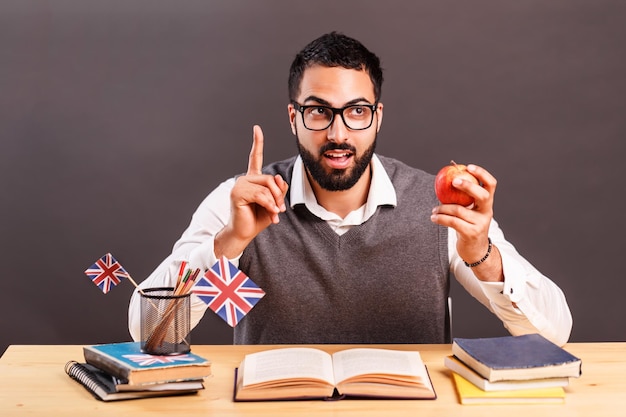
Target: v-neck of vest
<point>328,233</point>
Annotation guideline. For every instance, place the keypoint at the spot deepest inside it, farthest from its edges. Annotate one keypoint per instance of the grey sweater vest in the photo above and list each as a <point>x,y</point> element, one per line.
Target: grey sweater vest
<point>384,281</point>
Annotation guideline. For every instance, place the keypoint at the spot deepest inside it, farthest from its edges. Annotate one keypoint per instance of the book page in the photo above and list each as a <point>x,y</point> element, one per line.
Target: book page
<point>287,363</point>
<point>353,362</point>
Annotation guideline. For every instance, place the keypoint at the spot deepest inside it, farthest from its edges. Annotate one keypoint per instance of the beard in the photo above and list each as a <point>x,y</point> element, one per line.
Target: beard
<point>336,179</point>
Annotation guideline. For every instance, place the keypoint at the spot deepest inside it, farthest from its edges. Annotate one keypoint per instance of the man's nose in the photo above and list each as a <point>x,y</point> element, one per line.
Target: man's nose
<point>337,131</point>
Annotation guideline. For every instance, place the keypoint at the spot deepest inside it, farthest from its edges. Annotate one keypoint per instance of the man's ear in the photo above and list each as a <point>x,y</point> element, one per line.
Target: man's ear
<point>292,117</point>
<point>379,110</point>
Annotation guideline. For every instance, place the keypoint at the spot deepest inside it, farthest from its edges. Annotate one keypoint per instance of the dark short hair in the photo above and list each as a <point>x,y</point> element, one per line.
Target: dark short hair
<point>335,50</point>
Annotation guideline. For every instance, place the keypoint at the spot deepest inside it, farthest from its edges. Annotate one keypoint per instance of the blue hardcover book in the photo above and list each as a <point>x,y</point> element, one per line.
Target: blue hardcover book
<point>126,360</point>
<point>524,357</point>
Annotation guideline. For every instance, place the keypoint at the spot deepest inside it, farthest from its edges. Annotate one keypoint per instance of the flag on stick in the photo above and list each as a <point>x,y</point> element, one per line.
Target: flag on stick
<point>228,292</point>
<point>107,272</point>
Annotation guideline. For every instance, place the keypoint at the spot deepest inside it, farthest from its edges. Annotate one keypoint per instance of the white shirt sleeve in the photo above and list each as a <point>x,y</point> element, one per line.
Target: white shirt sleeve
<point>195,246</point>
<point>526,302</point>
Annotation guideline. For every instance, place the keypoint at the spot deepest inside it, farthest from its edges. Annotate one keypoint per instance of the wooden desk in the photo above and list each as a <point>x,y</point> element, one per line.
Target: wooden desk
<point>33,382</point>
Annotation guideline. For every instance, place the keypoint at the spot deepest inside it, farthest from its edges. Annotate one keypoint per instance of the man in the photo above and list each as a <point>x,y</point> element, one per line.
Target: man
<point>350,246</point>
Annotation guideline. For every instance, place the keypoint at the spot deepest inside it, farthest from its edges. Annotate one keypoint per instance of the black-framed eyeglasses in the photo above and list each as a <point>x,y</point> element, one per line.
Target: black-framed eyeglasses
<point>354,116</point>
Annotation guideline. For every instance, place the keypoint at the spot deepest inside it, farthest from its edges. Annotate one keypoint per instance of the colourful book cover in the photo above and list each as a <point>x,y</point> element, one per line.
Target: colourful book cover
<point>126,360</point>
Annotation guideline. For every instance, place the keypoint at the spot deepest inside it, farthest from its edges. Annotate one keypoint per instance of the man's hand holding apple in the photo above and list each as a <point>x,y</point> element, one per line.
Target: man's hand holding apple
<point>470,222</point>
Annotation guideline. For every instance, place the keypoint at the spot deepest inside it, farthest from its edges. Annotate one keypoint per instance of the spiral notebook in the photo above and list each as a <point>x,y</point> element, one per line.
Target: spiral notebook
<point>106,387</point>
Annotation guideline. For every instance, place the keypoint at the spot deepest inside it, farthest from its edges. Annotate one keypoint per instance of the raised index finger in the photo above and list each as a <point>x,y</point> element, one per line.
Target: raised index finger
<point>255,162</point>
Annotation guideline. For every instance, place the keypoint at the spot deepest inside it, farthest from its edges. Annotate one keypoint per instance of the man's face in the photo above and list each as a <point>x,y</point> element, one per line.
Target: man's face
<point>335,158</point>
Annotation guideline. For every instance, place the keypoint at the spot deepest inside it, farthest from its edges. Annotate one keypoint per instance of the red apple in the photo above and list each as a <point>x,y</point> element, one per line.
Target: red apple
<point>446,192</point>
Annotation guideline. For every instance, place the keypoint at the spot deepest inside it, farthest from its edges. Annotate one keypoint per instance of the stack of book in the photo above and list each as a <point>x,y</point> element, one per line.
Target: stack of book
<point>511,369</point>
<point>121,371</point>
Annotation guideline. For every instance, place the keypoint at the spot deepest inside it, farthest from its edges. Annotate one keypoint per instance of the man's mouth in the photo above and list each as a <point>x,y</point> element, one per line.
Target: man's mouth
<point>338,159</point>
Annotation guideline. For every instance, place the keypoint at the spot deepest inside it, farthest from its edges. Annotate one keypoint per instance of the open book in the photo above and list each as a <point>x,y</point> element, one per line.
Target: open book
<point>307,373</point>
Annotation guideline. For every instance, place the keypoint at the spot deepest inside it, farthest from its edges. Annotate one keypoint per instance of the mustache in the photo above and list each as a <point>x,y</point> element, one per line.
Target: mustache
<point>331,146</point>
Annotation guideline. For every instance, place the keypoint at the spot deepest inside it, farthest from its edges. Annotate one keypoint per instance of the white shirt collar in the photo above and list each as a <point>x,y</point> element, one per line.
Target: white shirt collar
<point>381,193</point>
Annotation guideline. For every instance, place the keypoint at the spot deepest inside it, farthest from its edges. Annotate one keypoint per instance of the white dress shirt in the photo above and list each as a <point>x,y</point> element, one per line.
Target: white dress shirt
<point>540,306</point>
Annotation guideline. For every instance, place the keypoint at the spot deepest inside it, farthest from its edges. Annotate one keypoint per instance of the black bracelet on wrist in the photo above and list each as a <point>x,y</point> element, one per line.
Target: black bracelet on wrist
<point>484,258</point>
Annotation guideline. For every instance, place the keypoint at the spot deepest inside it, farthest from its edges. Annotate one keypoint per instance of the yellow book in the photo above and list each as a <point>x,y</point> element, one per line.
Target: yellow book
<point>471,394</point>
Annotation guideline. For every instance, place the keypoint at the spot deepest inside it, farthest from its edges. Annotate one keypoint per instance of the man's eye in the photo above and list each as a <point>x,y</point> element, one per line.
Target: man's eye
<point>358,111</point>
<point>317,111</point>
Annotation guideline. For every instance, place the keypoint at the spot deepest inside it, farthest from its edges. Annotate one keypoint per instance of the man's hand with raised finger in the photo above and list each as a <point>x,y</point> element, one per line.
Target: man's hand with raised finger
<point>256,200</point>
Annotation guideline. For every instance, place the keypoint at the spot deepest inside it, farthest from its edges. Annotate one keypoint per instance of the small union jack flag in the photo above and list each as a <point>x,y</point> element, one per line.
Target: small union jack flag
<point>228,291</point>
<point>106,273</point>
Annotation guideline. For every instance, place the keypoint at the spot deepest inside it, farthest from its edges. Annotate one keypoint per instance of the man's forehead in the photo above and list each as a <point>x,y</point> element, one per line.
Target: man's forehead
<point>336,85</point>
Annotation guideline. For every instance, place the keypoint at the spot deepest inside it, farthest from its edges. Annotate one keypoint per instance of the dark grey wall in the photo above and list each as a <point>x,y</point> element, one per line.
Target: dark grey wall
<point>118,117</point>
